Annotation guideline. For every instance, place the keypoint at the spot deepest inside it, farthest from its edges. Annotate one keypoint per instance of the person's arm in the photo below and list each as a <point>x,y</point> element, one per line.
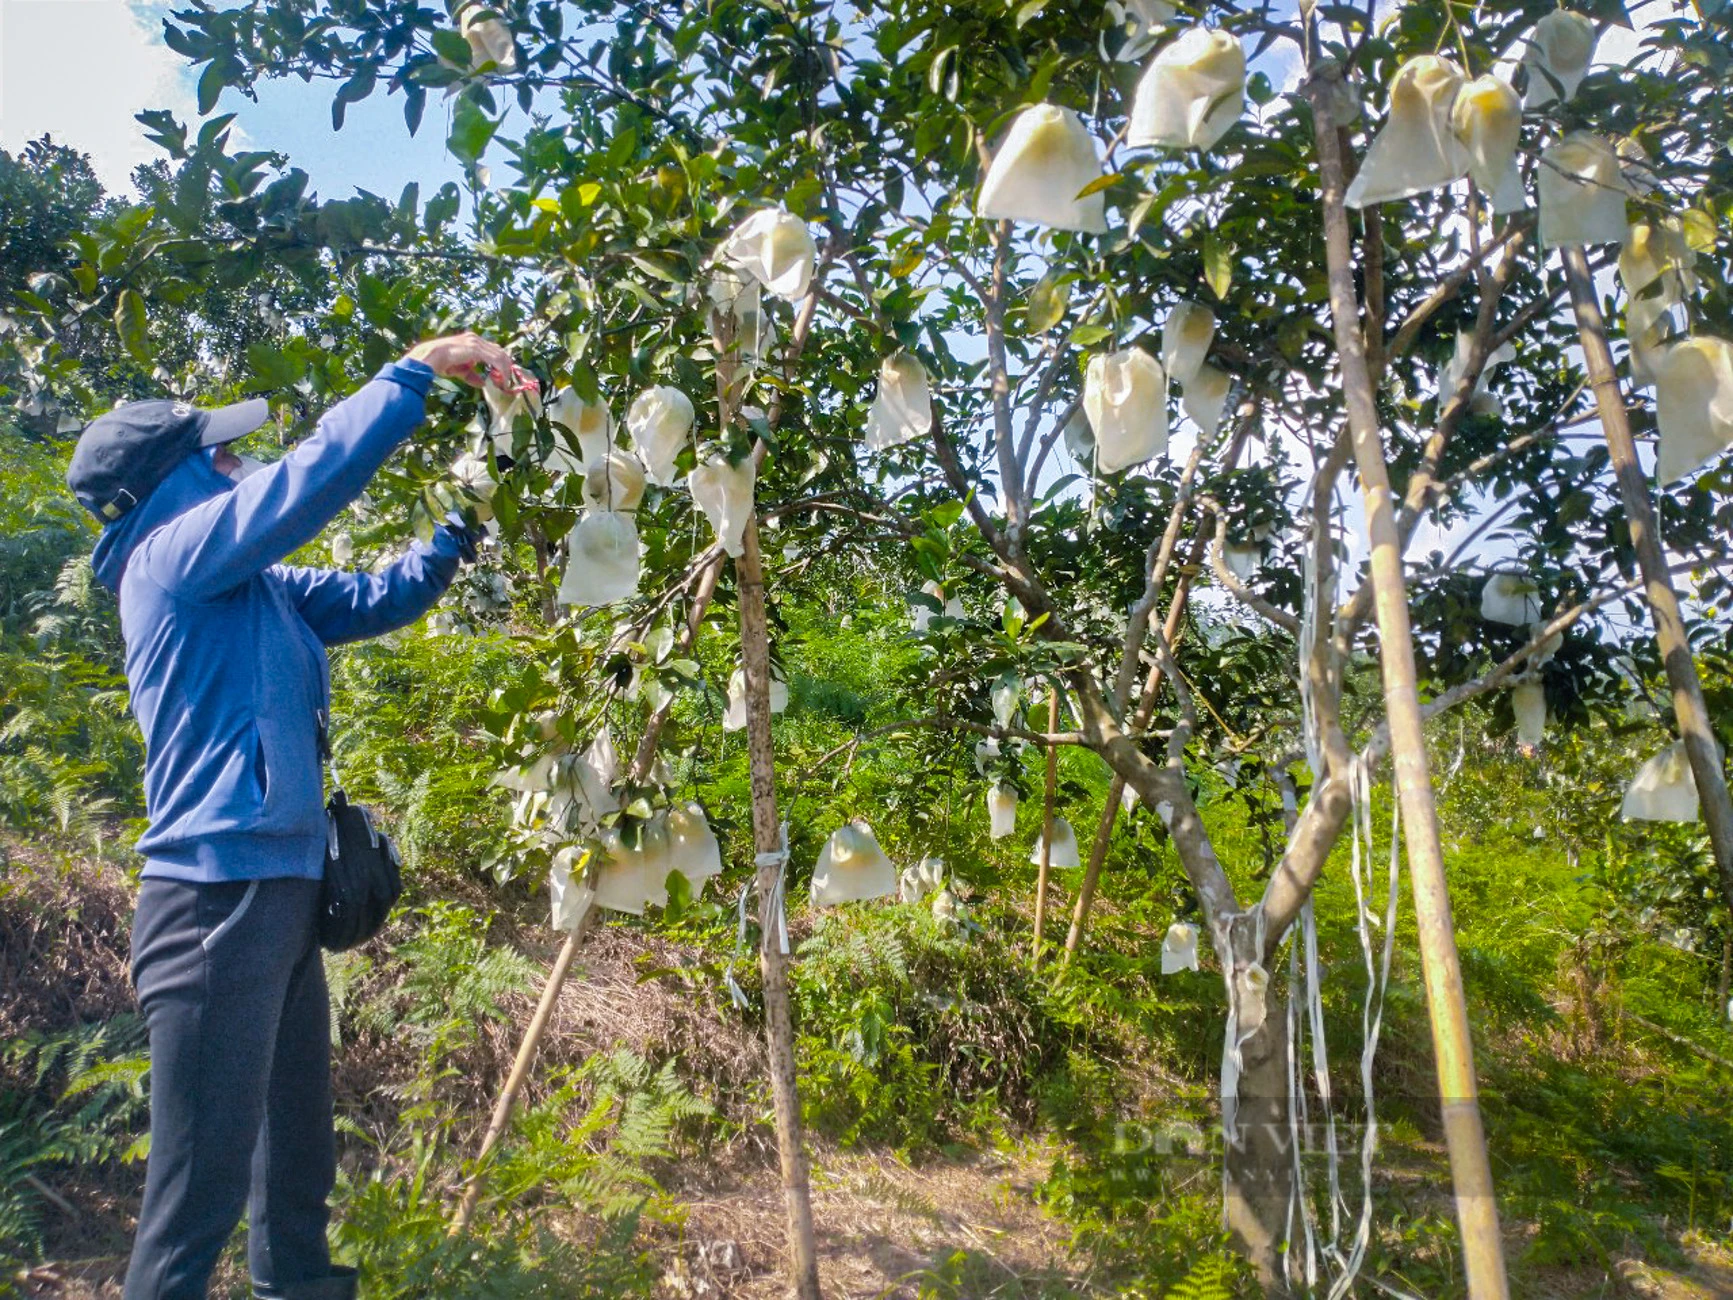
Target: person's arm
<point>344,606</point>
<point>222,543</point>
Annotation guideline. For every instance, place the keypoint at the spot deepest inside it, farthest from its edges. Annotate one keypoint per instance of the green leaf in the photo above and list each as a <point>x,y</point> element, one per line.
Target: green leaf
<point>1047,303</point>
<point>1699,227</point>
<point>451,46</point>
<point>414,105</point>
<point>131,323</point>
<point>211,86</point>
<point>1218,265</point>
<point>1088,335</point>
<point>1100,183</point>
<point>350,92</point>
<point>268,368</point>
<point>471,130</point>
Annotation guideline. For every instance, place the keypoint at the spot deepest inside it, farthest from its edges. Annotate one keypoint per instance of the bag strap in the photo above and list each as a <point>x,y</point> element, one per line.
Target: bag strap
<point>326,755</point>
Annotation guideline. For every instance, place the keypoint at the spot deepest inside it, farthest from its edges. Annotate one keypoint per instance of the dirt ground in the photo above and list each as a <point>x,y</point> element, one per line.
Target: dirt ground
<point>885,1227</point>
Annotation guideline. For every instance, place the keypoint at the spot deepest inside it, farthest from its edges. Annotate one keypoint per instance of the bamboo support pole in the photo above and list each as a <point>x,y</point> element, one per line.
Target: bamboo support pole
<point>1047,819</point>
<point>642,758</point>
<point>526,1052</point>
<point>1453,1049</point>
<point>526,1055</point>
<point>1687,688</point>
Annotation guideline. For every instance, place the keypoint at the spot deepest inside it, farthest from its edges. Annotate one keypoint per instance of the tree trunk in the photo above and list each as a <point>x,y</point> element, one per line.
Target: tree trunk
<point>1257,1164</point>
<point>1047,820</point>
<point>1688,705</point>
<point>1110,814</point>
<point>772,961</point>
<point>1452,1046</point>
<point>768,839</point>
<point>1721,985</point>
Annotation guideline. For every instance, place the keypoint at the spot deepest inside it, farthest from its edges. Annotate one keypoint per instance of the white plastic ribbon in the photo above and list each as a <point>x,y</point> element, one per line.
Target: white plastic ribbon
<point>777,858</point>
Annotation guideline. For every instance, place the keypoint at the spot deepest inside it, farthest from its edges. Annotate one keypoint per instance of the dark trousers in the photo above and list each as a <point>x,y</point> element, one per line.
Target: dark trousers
<point>232,988</point>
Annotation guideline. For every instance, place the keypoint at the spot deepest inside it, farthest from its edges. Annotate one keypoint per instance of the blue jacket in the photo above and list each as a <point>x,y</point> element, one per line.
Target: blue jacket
<point>225,646</point>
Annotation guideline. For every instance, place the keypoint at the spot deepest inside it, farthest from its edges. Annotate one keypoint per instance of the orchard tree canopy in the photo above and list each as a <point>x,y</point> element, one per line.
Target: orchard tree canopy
<point>1072,318</point>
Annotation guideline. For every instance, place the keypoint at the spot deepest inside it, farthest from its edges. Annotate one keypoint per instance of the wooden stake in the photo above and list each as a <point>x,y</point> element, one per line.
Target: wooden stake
<point>641,761</point>
<point>1688,705</point>
<point>526,1055</point>
<point>1453,1049</point>
<point>526,1052</point>
<point>1047,820</point>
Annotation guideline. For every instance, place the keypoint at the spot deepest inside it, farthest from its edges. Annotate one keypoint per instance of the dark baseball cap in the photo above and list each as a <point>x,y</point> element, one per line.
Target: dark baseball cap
<point>122,456</point>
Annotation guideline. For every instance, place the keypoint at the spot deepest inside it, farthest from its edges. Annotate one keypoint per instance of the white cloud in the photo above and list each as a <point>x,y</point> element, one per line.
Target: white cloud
<point>79,70</point>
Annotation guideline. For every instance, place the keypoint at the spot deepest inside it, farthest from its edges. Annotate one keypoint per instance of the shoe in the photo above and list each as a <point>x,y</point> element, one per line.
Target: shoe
<point>340,1285</point>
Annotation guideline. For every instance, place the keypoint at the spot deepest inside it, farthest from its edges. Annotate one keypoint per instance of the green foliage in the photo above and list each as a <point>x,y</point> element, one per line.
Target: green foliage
<point>398,1231</point>
<point>451,975</point>
<point>915,1031</point>
<point>597,1136</point>
<point>70,1101</point>
<point>70,757</point>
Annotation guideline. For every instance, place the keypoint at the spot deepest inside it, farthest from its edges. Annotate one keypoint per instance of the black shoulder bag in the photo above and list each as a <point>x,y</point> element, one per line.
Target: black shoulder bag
<point>362,869</point>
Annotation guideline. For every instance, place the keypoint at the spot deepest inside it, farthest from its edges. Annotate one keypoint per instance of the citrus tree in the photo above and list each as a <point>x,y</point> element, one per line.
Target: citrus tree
<point>933,286</point>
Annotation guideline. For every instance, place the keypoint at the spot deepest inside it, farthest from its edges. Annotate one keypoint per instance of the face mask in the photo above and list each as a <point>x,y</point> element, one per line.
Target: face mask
<point>246,469</point>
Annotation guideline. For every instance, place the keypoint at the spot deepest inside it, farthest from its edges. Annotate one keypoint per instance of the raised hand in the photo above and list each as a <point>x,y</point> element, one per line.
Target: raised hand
<point>468,357</point>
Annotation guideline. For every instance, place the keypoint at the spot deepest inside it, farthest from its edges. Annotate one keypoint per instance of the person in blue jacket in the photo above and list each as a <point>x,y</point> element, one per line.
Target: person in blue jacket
<point>225,657</point>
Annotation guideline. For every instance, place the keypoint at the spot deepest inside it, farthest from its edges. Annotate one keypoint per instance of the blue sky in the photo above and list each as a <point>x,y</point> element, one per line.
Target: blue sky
<point>82,68</point>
